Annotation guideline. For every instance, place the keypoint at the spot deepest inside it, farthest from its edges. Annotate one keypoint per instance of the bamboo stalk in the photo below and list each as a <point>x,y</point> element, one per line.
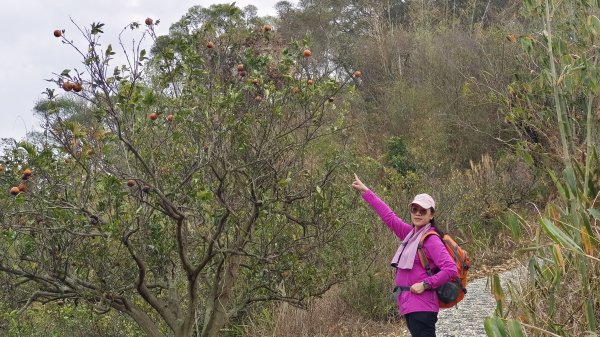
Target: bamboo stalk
<point>562,121</point>
<point>589,146</point>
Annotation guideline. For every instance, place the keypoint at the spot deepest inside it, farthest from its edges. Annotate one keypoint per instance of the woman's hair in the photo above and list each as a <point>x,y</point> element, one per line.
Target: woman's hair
<point>433,224</point>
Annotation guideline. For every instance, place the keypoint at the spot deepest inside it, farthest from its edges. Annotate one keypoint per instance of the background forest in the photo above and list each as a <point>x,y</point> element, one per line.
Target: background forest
<point>202,187</point>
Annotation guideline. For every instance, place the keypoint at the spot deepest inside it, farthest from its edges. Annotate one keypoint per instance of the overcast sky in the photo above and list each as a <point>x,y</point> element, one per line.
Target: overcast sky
<point>30,53</point>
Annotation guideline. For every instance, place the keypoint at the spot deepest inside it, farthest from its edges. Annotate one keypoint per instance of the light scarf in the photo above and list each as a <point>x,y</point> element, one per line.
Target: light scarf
<point>405,255</point>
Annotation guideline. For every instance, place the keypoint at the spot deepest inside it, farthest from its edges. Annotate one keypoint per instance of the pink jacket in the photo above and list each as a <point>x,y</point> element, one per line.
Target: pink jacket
<point>438,257</point>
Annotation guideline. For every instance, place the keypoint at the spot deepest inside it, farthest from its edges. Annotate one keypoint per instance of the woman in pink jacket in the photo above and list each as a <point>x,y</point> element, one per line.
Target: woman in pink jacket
<point>416,300</point>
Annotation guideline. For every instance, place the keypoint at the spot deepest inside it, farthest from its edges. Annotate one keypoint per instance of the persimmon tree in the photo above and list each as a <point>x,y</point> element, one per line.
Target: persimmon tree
<point>197,179</point>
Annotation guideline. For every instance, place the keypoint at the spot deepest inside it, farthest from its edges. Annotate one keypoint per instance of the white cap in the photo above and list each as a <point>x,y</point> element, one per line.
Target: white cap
<point>424,200</point>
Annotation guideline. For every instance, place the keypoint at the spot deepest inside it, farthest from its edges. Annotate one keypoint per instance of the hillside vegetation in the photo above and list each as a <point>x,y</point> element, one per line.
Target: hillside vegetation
<point>203,187</point>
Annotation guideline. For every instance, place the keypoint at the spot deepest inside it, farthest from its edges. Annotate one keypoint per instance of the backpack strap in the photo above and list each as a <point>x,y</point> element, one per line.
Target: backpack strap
<point>422,256</point>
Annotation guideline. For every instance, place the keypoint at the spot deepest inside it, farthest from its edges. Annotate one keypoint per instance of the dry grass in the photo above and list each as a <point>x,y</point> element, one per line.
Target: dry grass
<point>328,316</point>
<point>556,306</point>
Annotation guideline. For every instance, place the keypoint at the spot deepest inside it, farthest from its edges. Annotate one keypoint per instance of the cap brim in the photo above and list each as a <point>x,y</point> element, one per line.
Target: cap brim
<point>424,205</point>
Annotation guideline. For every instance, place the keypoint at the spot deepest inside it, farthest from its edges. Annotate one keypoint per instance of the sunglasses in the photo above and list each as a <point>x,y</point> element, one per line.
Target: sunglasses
<point>414,209</point>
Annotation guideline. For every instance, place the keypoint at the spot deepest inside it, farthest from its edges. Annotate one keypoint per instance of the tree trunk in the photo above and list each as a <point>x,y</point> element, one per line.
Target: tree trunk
<point>216,310</point>
<point>144,321</point>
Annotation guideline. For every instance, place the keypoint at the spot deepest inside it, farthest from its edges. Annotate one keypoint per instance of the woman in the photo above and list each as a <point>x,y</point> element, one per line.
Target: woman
<point>416,302</point>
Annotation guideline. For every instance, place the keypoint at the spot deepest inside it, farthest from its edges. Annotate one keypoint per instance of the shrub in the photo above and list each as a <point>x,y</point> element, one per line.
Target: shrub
<point>370,295</point>
<point>397,155</point>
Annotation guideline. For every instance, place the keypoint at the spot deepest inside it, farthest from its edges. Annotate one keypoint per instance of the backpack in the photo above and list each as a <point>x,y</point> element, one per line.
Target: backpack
<point>453,291</point>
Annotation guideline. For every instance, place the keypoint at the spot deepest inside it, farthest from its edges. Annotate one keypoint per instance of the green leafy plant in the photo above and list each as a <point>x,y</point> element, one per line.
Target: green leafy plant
<point>187,185</point>
<point>397,155</point>
<point>564,267</point>
<point>369,295</point>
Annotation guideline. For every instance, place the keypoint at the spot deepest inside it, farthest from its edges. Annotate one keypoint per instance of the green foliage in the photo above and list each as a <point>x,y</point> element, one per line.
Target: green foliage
<point>182,223</point>
<point>569,270</point>
<point>449,85</point>
<point>397,155</point>
<point>495,327</point>
<point>513,223</point>
<point>370,295</point>
<point>564,266</point>
<point>66,320</point>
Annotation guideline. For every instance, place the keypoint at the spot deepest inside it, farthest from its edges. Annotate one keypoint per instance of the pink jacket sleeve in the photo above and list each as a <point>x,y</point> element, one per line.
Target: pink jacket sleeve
<point>399,227</point>
<point>439,259</point>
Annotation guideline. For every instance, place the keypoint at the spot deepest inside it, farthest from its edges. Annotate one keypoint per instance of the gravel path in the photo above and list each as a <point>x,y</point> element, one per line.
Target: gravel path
<point>466,320</point>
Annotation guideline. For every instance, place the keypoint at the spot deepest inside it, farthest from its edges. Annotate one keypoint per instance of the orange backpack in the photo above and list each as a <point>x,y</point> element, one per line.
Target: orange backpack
<point>453,291</point>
